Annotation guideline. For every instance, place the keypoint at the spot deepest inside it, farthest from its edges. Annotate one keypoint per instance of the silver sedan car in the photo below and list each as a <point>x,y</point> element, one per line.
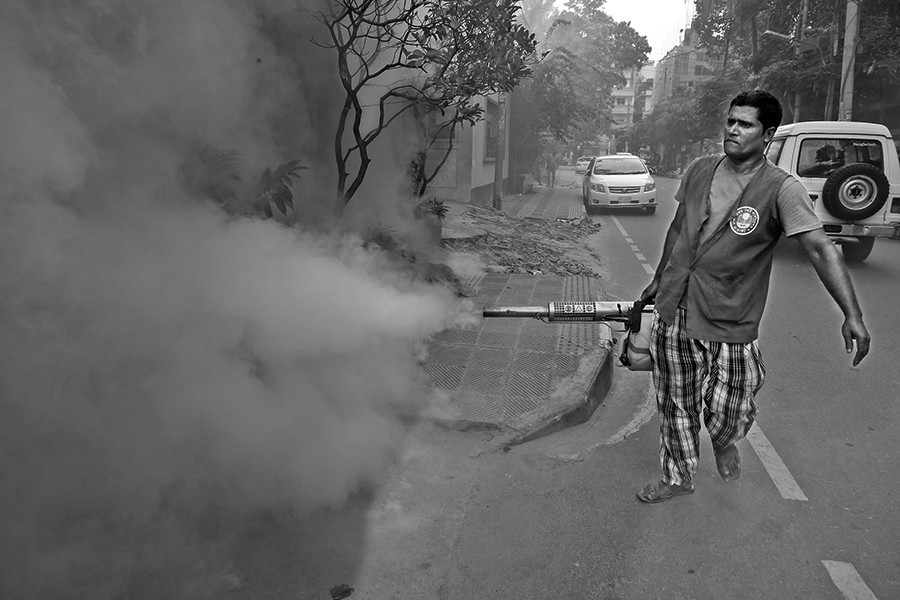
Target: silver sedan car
<point>618,181</point>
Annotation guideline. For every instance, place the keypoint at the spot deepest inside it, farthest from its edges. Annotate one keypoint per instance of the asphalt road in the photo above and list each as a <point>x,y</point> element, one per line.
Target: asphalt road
<point>812,517</point>
<point>814,514</point>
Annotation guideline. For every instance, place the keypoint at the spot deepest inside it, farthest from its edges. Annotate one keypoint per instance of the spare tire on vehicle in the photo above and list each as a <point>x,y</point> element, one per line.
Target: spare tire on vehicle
<point>855,191</point>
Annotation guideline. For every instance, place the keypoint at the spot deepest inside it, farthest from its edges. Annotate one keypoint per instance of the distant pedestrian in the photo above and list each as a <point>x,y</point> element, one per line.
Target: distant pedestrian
<point>710,290</point>
<point>552,164</point>
<point>538,170</point>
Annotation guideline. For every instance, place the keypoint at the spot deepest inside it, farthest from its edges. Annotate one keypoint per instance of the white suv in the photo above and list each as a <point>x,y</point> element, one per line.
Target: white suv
<point>618,181</point>
<point>852,174</point>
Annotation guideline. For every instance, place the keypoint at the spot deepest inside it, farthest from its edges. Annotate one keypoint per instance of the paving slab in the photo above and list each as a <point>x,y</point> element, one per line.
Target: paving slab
<point>522,377</point>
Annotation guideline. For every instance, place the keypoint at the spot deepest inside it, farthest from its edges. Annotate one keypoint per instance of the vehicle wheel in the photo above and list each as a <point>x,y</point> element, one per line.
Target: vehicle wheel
<point>855,191</point>
<point>858,252</point>
<point>650,210</point>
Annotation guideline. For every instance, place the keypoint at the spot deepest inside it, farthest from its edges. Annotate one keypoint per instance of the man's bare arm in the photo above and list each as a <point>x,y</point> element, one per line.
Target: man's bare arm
<point>833,272</point>
<point>649,292</point>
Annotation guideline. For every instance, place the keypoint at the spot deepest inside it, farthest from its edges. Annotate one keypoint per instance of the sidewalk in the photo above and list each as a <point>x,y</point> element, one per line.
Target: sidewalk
<point>521,377</point>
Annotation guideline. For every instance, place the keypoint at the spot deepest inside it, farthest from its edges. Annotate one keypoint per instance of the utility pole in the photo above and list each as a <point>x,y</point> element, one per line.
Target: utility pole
<point>501,147</point>
<point>848,65</point>
<point>800,31</point>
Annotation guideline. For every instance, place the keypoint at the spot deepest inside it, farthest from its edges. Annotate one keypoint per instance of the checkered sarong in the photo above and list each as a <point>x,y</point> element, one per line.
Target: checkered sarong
<point>719,377</point>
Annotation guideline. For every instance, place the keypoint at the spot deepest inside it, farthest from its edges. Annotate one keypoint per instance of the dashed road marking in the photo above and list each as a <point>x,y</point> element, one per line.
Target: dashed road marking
<point>781,477</point>
<point>848,581</point>
<point>621,229</point>
<point>650,269</point>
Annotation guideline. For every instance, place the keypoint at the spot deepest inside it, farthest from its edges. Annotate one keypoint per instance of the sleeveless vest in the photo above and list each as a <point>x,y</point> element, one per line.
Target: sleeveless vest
<point>724,282</point>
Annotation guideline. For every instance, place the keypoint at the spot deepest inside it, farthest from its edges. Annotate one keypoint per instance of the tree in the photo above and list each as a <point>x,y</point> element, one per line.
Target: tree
<point>603,50</point>
<point>485,52</point>
<point>733,31</point>
<point>538,16</point>
<point>569,96</point>
<point>394,55</point>
<point>693,113</point>
<point>878,60</point>
<point>546,107</point>
<point>809,72</point>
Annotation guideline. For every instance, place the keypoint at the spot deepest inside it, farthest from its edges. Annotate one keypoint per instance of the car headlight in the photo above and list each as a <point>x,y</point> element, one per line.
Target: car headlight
<point>649,187</point>
<point>598,187</point>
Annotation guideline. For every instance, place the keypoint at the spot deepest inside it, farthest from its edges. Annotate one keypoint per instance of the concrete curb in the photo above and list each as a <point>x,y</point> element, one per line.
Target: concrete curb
<point>572,402</point>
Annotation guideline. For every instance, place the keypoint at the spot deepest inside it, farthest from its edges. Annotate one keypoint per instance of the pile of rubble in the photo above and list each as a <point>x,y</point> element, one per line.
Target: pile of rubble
<point>535,246</point>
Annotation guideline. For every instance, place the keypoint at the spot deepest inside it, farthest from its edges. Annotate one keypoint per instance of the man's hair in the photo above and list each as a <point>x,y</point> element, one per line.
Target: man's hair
<point>767,105</point>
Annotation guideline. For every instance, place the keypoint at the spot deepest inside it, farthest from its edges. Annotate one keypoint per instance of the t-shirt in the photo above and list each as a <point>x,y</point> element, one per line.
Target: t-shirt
<point>794,206</point>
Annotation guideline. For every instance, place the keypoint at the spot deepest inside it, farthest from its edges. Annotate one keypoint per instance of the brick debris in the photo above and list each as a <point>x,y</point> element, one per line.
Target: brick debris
<point>534,246</point>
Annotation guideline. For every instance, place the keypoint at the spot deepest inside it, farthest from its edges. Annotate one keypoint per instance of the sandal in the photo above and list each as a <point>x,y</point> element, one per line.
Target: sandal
<point>728,462</point>
<point>662,491</point>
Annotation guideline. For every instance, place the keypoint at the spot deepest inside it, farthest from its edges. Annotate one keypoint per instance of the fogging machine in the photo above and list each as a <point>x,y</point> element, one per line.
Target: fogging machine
<point>636,352</point>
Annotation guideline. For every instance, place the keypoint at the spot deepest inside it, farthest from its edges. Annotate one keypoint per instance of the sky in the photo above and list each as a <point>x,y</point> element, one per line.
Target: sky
<point>659,20</point>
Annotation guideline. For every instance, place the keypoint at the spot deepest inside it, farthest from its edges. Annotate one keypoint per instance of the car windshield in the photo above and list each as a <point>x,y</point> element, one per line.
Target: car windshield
<point>619,166</point>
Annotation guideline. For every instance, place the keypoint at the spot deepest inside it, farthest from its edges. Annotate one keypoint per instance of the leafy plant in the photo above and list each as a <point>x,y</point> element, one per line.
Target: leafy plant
<point>214,174</point>
<point>431,206</point>
<point>211,173</point>
<point>276,187</point>
<point>384,237</point>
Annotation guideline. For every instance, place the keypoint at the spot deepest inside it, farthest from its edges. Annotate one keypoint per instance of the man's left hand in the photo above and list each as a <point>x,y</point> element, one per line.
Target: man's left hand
<point>854,329</point>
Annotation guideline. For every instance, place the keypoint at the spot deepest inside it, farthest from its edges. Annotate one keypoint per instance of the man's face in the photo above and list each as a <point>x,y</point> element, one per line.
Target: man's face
<point>744,135</point>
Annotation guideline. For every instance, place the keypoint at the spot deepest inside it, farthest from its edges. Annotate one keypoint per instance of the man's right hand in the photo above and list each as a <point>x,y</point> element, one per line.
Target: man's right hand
<point>649,293</point>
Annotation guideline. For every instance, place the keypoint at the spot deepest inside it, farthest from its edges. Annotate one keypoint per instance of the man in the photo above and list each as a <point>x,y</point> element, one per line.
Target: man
<point>710,290</point>
<point>552,165</point>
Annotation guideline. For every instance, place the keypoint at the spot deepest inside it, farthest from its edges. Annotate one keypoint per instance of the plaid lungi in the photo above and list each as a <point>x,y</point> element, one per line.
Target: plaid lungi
<point>719,377</point>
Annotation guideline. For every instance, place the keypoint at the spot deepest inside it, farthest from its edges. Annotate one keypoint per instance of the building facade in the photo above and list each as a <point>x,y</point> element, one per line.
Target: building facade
<point>479,155</point>
<point>684,64</point>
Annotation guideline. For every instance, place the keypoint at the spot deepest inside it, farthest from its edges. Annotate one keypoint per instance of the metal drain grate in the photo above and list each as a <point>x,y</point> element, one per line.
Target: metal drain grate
<point>526,385</point>
<point>485,381</point>
<point>445,377</point>
<point>514,407</point>
<point>576,338</point>
<point>533,362</point>
<point>447,354</point>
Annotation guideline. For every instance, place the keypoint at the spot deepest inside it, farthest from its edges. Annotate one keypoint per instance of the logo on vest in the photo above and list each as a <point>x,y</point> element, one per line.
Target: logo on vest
<point>745,220</point>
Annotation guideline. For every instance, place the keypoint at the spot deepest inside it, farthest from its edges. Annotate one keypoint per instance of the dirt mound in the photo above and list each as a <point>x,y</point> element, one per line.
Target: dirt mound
<point>536,246</point>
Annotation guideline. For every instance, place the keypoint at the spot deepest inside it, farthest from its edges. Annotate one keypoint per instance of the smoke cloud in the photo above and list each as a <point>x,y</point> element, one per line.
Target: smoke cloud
<point>168,369</point>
